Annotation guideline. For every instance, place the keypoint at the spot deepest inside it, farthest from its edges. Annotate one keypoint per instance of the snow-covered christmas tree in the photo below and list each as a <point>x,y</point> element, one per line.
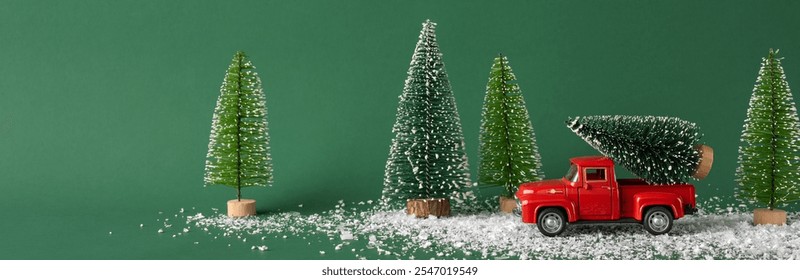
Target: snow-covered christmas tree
<point>238,149</point>
<point>427,161</point>
<point>769,155</point>
<point>509,155</point>
<point>660,150</point>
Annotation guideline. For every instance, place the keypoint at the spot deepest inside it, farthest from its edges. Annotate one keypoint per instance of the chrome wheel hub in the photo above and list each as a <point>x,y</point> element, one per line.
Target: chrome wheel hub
<point>659,222</point>
<point>552,222</point>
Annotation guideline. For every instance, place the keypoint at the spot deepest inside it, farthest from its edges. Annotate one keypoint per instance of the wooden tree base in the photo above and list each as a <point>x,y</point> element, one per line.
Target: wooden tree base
<point>763,216</point>
<point>243,208</point>
<point>507,205</point>
<point>422,208</point>
<point>706,160</point>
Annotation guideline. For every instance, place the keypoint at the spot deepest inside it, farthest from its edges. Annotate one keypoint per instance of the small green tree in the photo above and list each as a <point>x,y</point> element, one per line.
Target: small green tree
<point>769,155</point>
<point>509,155</point>
<point>427,158</point>
<point>238,149</point>
<point>660,150</point>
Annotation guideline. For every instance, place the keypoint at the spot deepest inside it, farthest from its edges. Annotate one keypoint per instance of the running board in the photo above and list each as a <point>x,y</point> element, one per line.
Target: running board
<point>620,221</point>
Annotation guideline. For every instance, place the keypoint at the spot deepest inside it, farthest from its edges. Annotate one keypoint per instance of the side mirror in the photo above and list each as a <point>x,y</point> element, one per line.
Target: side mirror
<point>586,186</point>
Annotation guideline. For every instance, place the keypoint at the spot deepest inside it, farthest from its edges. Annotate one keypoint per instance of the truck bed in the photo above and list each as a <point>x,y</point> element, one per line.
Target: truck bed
<point>630,188</point>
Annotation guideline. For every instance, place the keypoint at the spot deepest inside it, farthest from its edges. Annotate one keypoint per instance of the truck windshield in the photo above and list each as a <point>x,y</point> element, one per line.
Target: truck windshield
<point>572,174</point>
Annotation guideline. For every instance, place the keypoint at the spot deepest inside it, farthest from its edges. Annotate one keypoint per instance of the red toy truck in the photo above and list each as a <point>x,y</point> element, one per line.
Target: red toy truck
<point>590,193</point>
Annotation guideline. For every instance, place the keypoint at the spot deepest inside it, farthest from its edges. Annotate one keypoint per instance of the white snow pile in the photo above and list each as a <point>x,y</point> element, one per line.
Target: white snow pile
<point>495,235</point>
<point>726,234</point>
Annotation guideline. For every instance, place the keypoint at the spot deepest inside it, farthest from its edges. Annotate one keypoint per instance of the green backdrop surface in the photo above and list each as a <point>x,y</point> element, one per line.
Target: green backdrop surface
<point>105,106</point>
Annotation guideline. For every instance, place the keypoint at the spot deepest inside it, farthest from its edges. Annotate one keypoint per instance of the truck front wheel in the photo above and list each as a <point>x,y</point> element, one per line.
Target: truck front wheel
<point>657,220</point>
<point>551,222</point>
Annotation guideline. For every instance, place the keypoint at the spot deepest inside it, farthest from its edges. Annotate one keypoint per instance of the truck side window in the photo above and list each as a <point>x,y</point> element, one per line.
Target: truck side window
<point>595,174</point>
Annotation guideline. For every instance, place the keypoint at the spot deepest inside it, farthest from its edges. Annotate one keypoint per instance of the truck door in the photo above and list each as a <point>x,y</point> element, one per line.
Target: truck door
<point>595,195</point>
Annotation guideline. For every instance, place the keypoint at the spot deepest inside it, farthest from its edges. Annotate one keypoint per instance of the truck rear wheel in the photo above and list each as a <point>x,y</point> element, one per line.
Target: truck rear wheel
<point>657,220</point>
<point>551,222</point>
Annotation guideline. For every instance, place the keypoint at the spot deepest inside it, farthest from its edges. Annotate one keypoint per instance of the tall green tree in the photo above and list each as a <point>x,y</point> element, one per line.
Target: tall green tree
<point>769,155</point>
<point>660,150</point>
<point>427,157</point>
<point>238,149</point>
<point>509,155</point>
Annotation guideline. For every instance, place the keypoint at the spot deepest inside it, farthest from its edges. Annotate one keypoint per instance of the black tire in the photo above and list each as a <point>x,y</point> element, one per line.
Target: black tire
<point>657,220</point>
<point>551,222</point>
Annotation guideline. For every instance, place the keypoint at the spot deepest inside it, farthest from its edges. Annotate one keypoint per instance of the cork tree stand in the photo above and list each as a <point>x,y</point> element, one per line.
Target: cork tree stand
<point>764,216</point>
<point>425,207</point>
<point>705,163</point>
<point>507,204</point>
<point>241,208</point>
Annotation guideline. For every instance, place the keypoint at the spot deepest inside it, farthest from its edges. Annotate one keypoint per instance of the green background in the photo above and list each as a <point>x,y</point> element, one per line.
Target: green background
<point>105,106</point>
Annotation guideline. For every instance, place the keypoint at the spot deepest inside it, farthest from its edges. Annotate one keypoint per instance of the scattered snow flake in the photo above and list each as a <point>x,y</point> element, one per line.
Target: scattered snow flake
<point>259,247</point>
<point>346,235</point>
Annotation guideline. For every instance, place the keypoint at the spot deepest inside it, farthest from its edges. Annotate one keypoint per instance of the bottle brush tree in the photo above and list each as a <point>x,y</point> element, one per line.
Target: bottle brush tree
<point>769,154</point>
<point>509,155</point>
<point>427,164</point>
<point>660,150</point>
<point>238,149</point>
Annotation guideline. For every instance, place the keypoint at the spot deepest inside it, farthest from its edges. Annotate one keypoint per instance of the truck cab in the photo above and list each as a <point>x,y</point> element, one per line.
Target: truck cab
<point>591,193</point>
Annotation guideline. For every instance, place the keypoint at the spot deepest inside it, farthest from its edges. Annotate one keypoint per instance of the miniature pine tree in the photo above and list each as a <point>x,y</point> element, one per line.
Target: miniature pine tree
<point>427,158</point>
<point>238,149</point>
<point>509,156</point>
<point>660,150</point>
<point>769,155</point>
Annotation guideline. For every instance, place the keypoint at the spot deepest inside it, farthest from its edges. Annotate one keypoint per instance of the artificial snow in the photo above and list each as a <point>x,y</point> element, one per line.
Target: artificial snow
<point>260,248</point>
<point>721,232</point>
<point>346,235</point>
